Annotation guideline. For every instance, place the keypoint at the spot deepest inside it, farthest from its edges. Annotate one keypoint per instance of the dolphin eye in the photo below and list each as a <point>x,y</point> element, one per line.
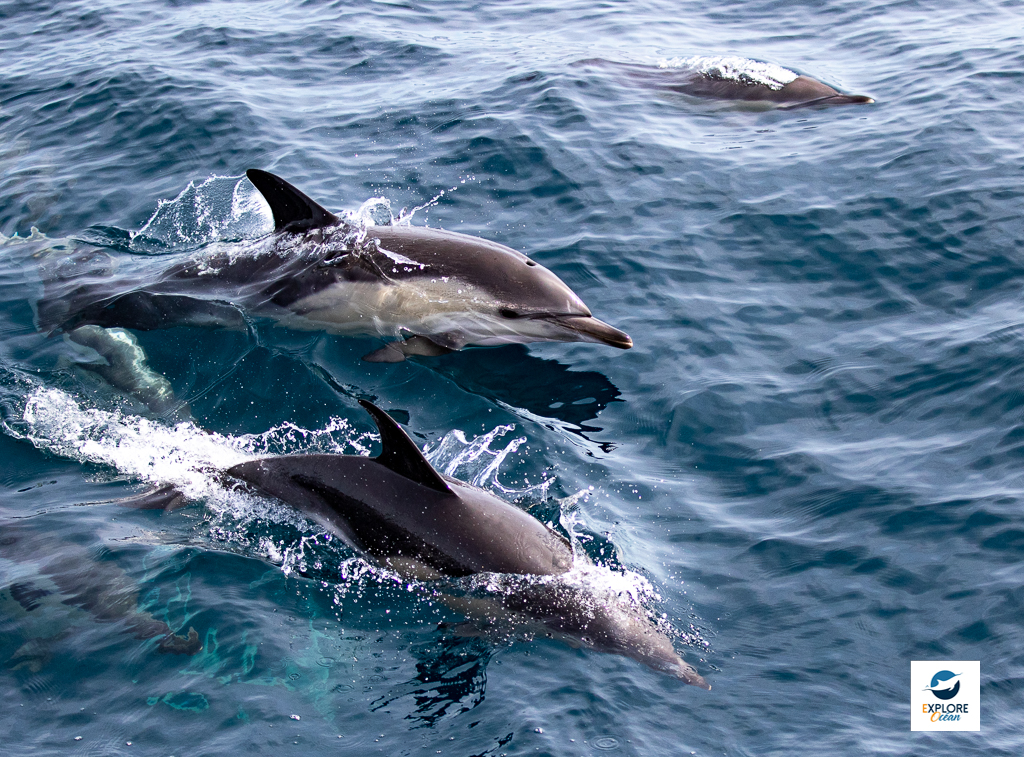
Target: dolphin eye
<point>508,313</point>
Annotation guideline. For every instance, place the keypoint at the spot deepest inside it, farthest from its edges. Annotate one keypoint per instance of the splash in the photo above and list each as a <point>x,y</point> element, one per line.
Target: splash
<point>474,461</point>
<point>734,68</point>
<point>405,218</point>
<point>192,460</point>
<point>184,455</point>
<point>377,211</point>
<point>218,208</point>
<point>601,584</point>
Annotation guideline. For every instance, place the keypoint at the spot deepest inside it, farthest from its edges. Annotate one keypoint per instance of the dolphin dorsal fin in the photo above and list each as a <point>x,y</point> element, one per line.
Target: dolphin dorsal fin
<point>400,453</point>
<point>293,211</point>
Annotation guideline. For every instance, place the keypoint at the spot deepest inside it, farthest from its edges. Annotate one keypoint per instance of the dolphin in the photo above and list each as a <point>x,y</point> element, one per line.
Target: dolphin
<point>734,78</point>
<point>74,578</point>
<point>431,291</point>
<point>398,510</point>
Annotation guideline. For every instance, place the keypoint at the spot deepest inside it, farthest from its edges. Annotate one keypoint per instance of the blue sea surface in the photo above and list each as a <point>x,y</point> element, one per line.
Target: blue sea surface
<point>809,468</point>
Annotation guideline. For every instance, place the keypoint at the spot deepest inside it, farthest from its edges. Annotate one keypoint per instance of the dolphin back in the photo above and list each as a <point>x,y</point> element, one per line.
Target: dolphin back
<point>399,510</point>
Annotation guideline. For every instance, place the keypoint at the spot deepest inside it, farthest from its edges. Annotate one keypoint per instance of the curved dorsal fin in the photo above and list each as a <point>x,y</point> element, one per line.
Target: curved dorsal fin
<point>400,453</point>
<point>293,211</point>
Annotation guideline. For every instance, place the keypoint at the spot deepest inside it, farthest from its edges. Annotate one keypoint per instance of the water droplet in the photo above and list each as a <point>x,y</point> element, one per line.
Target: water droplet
<point>606,742</point>
<point>78,738</point>
<point>295,717</point>
<point>538,730</point>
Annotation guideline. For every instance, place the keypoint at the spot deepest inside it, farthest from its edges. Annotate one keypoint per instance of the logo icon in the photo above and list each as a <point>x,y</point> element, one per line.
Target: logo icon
<point>945,695</point>
<point>945,684</point>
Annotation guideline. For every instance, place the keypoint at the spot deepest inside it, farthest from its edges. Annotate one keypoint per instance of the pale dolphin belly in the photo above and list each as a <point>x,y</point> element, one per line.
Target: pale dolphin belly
<point>419,306</point>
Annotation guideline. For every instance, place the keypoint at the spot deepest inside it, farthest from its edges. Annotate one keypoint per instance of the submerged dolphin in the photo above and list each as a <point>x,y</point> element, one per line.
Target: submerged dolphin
<point>397,509</point>
<point>734,78</point>
<point>73,577</point>
<point>441,290</point>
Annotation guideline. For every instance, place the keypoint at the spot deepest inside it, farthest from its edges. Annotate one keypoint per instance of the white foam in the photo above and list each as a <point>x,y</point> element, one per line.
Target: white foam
<point>734,68</point>
<point>184,455</point>
<point>191,458</point>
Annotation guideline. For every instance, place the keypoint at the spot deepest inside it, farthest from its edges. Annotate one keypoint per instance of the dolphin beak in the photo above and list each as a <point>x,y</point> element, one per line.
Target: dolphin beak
<point>692,677</point>
<point>851,99</point>
<point>590,329</point>
<point>836,99</point>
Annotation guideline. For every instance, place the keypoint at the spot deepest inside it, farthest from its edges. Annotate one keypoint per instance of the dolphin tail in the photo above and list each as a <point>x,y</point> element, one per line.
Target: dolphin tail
<point>27,595</point>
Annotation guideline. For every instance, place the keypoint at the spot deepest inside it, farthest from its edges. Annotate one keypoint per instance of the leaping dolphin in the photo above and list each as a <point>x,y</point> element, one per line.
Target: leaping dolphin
<point>398,510</point>
<point>734,78</point>
<point>439,290</point>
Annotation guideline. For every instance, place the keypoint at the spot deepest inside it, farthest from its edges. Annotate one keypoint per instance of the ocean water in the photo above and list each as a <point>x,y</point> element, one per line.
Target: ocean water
<point>809,467</point>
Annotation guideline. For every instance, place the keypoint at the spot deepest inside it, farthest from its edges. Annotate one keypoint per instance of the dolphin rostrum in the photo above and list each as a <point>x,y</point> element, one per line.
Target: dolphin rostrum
<point>430,290</point>
<point>398,510</point>
<point>734,78</point>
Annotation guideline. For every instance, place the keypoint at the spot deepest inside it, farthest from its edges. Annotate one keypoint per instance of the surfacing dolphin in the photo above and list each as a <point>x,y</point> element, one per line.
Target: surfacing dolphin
<point>734,78</point>
<point>398,510</point>
<point>432,291</point>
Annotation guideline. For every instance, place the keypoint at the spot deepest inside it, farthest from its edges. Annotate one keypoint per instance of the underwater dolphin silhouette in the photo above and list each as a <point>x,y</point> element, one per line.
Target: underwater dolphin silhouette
<point>73,577</point>
<point>398,510</point>
<point>440,290</point>
<point>734,78</point>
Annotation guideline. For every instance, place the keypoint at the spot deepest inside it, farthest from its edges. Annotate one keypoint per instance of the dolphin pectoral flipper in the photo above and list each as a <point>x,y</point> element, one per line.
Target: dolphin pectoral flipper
<point>425,346</point>
<point>389,353</point>
<point>292,209</point>
<point>396,352</point>
<point>126,366</point>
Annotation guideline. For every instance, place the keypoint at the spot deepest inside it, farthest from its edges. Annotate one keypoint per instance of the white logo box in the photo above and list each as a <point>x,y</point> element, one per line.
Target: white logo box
<point>945,695</point>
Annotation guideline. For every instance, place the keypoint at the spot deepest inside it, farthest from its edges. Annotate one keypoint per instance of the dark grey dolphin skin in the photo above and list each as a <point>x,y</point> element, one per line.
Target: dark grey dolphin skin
<point>713,83</point>
<point>439,290</point>
<point>395,508</point>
